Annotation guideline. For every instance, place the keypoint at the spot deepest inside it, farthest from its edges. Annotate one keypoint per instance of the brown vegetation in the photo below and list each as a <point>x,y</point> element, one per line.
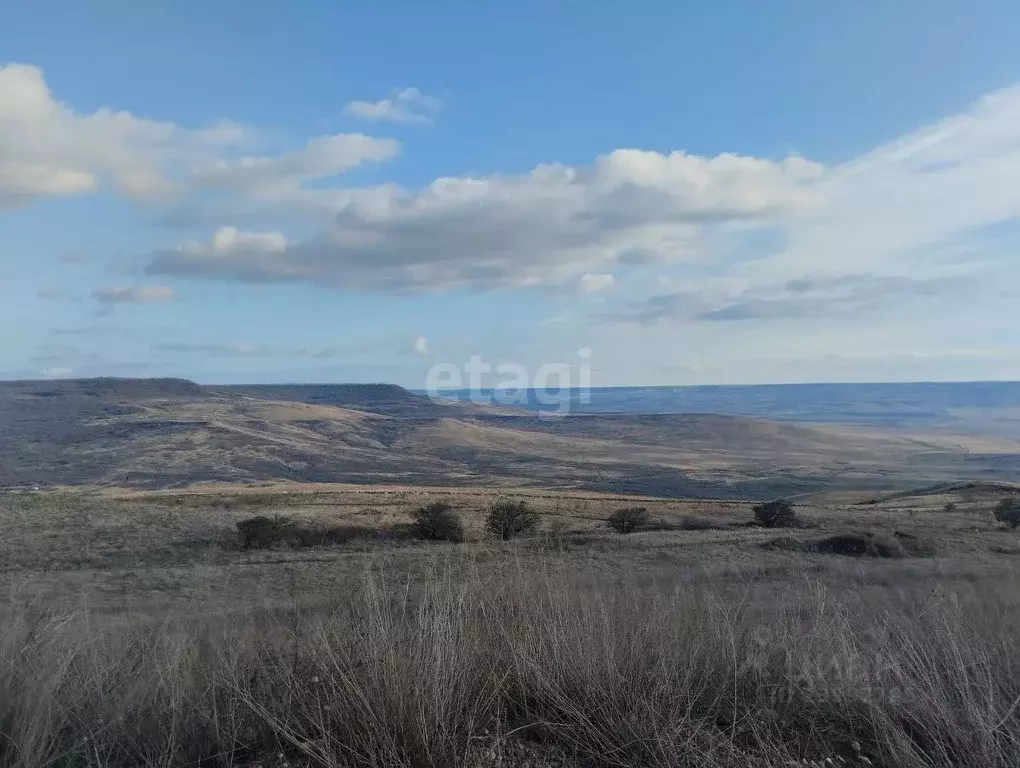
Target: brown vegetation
<point>458,672</point>
<point>138,633</point>
<point>628,519</point>
<point>775,514</point>
<point>1007,511</point>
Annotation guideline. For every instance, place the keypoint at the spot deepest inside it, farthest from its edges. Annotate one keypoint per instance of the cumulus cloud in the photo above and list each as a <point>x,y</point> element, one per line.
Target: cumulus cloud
<point>264,253</point>
<point>920,223</point>
<point>49,150</point>
<point>595,283</point>
<point>421,346</point>
<point>134,294</point>
<point>546,227</point>
<point>57,373</point>
<point>917,236</point>
<point>408,105</point>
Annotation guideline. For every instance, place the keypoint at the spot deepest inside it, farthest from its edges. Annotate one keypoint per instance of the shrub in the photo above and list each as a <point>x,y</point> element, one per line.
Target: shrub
<point>775,514</point>
<point>437,522</point>
<point>262,532</point>
<point>628,519</point>
<point>325,535</point>
<point>881,544</point>
<point>1008,511</point>
<point>508,518</point>
<point>950,507</point>
<point>861,545</point>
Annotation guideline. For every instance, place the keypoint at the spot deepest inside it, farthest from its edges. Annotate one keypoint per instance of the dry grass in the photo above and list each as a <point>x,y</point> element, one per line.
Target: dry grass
<point>453,671</point>
<point>134,636</point>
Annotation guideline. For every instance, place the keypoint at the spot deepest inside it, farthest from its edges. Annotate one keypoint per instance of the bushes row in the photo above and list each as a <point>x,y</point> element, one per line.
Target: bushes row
<point>506,519</point>
<point>265,532</point>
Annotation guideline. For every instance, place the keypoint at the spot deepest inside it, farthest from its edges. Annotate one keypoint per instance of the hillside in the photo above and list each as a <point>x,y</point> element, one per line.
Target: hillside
<point>171,432</point>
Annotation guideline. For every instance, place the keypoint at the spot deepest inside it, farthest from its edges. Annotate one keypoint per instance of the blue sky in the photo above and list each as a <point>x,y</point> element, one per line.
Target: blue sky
<point>732,192</point>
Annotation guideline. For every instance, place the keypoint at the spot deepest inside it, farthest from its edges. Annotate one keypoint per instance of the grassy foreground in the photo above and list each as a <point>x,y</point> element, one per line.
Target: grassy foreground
<point>526,666</point>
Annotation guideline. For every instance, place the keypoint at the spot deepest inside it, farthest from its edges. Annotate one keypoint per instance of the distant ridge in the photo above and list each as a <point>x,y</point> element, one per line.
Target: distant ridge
<point>322,394</point>
<point>105,387</point>
<point>173,432</point>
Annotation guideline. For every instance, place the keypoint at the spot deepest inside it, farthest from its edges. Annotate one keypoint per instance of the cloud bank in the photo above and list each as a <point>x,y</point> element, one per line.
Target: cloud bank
<point>546,227</point>
<point>908,247</point>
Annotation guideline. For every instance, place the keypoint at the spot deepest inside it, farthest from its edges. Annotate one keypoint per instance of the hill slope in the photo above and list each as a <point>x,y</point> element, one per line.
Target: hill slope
<point>156,433</point>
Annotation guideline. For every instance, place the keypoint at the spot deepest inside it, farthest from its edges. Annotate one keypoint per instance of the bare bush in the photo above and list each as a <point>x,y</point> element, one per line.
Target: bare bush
<point>437,522</point>
<point>333,534</point>
<point>628,519</point>
<point>1007,511</point>
<point>509,518</point>
<point>776,514</point>
<point>264,532</point>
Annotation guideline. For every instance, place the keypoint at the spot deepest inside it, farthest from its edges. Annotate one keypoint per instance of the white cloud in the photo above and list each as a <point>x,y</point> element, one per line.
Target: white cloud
<point>134,294</point>
<point>281,175</point>
<point>229,239</point>
<point>923,230</point>
<point>421,346</point>
<point>408,105</point>
<point>815,296</point>
<point>57,373</point>
<point>264,252</point>
<point>595,283</point>
<point>890,208</point>
<point>546,227</point>
<point>909,255</point>
<point>49,150</point>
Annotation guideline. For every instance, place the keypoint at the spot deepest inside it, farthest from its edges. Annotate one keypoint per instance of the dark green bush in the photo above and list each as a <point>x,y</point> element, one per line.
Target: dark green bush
<point>437,522</point>
<point>508,518</point>
<point>775,514</point>
<point>1007,511</point>
<point>262,532</point>
<point>628,519</point>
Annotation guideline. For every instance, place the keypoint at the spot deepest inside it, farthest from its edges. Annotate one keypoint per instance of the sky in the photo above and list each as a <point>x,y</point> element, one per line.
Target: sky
<point>669,192</point>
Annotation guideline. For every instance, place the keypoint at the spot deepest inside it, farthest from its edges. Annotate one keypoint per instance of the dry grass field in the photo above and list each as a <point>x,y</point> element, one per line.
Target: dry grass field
<point>139,632</point>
